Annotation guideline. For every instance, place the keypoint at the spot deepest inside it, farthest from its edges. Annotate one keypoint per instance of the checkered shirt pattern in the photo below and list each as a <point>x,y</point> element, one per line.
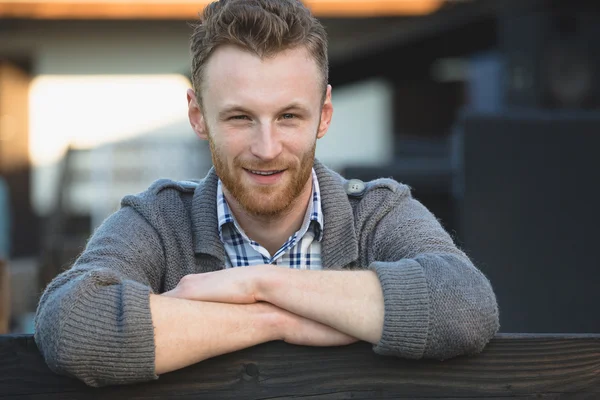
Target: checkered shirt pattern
<point>301,251</point>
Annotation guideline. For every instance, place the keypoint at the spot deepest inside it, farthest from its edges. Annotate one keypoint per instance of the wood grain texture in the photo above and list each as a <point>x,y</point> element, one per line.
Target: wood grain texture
<point>520,366</point>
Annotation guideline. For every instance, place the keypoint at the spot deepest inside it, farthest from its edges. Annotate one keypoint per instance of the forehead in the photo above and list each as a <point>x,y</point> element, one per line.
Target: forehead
<point>233,75</point>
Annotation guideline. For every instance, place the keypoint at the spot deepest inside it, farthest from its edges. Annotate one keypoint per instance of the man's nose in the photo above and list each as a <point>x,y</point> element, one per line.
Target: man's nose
<point>267,144</point>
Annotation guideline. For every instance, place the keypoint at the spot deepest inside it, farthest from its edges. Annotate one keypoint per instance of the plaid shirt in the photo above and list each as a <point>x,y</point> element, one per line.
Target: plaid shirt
<point>301,251</point>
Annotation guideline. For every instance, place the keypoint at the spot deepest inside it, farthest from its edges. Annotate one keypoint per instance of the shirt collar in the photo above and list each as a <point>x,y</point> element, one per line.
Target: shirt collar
<point>314,212</point>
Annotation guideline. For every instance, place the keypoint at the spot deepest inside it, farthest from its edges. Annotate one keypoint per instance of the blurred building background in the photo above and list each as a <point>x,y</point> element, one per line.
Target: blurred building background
<point>488,109</point>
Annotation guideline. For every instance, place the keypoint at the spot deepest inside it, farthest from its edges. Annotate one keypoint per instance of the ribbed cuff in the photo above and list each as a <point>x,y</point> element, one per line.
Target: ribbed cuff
<point>111,334</point>
<point>406,301</point>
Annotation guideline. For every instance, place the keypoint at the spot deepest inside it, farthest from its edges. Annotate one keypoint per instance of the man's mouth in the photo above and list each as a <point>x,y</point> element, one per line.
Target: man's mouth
<point>264,173</point>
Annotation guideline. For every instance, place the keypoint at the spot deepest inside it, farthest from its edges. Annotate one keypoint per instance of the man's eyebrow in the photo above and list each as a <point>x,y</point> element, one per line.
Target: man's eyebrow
<point>294,106</point>
<point>234,108</point>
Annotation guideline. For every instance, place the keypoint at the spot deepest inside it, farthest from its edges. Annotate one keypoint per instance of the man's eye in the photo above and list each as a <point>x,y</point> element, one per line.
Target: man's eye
<point>239,117</point>
<point>288,116</point>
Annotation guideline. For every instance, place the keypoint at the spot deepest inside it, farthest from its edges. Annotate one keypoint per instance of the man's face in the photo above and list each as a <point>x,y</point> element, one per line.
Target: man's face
<point>262,119</point>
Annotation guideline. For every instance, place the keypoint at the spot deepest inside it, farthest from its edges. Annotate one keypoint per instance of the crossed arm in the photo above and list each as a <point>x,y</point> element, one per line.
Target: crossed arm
<point>263,303</point>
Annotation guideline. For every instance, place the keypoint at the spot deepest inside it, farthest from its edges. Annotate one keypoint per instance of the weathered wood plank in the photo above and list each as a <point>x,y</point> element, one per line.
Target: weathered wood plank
<point>521,366</point>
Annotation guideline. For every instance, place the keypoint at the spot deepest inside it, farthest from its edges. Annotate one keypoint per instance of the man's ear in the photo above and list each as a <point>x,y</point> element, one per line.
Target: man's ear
<point>196,116</point>
<point>326,114</point>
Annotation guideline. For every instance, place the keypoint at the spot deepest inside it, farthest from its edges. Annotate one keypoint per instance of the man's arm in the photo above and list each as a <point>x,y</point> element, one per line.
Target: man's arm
<point>348,301</point>
<point>420,297</point>
<point>187,331</point>
<point>93,321</point>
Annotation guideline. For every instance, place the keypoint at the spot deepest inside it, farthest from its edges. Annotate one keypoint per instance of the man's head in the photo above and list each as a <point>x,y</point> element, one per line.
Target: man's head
<point>261,27</point>
<point>260,98</point>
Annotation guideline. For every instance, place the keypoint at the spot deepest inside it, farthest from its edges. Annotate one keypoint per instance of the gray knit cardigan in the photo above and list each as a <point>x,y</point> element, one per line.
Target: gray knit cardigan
<point>94,322</point>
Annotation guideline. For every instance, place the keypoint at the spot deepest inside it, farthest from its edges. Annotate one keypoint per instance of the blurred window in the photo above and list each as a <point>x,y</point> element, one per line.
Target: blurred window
<point>88,111</point>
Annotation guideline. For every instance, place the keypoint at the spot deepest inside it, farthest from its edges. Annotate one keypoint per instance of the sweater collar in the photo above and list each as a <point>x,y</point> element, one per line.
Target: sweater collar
<point>339,243</point>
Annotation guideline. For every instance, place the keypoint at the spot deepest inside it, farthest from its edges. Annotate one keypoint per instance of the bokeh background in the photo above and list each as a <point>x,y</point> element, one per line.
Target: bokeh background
<point>488,109</point>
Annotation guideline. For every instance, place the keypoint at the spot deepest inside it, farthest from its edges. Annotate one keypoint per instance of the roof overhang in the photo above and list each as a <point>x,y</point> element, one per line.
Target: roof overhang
<point>189,9</point>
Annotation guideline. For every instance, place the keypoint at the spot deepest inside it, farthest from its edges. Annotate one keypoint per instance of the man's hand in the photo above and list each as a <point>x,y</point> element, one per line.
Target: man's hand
<point>231,285</point>
<point>298,330</point>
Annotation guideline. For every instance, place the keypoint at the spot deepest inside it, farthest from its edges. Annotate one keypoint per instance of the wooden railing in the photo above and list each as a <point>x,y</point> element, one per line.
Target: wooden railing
<point>512,365</point>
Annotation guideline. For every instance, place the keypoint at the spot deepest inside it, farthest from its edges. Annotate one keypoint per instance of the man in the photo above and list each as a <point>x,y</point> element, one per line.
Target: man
<point>323,261</point>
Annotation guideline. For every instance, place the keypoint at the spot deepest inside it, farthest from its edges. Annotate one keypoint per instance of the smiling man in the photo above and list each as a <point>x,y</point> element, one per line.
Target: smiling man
<point>271,244</point>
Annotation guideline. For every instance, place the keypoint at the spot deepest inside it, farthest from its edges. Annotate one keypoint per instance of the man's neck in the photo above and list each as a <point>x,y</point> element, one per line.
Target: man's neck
<point>273,231</point>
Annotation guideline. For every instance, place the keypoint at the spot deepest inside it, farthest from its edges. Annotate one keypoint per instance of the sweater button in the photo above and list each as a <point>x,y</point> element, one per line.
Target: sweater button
<point>355,187</point>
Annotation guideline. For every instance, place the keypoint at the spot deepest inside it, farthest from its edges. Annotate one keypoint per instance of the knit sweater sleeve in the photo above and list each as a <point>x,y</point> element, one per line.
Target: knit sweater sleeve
<point>437,303</point>
<point>93,321</point>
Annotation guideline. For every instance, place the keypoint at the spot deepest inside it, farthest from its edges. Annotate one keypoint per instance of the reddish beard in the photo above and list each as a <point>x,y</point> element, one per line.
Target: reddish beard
<point>263,201</point>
